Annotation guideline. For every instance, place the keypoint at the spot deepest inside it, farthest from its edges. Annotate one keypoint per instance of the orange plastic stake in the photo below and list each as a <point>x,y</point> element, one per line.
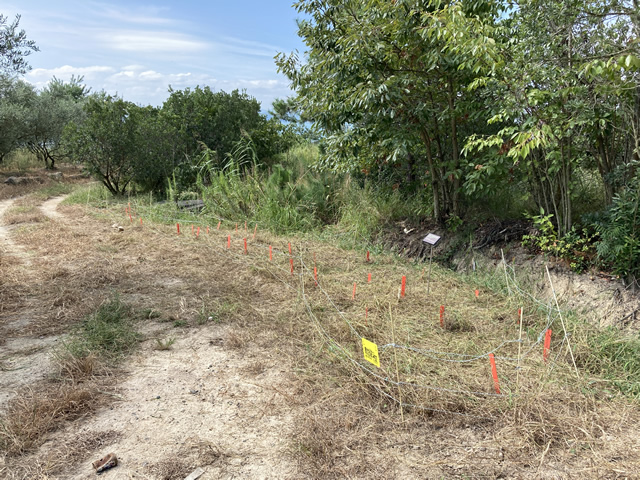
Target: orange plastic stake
<point>229,241</point>
<point>368,260</point>
<point>198,232</point>
<point>140,221</point>
<point>519,316</point>
<point>547,345</point>
<point>369,278</point>
<point>290,249</point>
<point>442,316</point>
<point>207,229</point>
<point>245,246</point>
<point>236,227</point>
<point>130,218</point>
<point>270,253</point>
<point>315,274</point>
<point>291,263</point>
<point>403,286</point>
<point>178,227</point>
<point>219,224</point>
<point>494,373</point>
<point>353,297</point>
<point>477,292</point>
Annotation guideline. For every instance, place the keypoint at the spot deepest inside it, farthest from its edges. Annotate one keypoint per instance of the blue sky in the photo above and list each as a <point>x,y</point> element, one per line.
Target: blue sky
<point>136,50</point>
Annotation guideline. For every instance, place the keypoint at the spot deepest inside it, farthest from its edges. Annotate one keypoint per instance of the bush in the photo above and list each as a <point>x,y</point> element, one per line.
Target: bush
<point>619,230</point>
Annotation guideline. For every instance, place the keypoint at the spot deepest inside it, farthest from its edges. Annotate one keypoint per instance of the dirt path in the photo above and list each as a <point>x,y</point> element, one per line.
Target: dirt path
<point>49,208</point>
<point>198,405</point>
<point>7,245</point>
<point>203,403</point>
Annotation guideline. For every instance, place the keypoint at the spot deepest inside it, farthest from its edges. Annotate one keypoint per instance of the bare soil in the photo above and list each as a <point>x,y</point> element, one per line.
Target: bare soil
<point>232,377</point>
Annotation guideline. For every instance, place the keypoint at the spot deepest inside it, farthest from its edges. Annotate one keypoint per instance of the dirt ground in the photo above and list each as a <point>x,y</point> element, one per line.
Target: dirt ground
<point>237,392</point>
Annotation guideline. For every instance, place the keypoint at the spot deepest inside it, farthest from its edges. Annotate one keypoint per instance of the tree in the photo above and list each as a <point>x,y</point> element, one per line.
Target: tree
<point>16,100</point>
<point>559,105</point>
<point>386,81</point>
<point>106,141</point>
<point>52,109</point>
<point>215,119</point>
<point>14,47</point>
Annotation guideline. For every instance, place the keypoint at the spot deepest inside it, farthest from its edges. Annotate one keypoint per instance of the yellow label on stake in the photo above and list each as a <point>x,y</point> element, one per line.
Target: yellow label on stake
<point>370,351</point>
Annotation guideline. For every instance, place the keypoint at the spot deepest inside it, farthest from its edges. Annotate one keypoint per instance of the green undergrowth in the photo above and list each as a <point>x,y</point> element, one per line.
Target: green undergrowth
<point>108,334</point>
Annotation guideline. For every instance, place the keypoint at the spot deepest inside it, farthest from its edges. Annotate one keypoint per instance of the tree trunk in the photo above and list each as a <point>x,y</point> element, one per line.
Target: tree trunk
<point>455,194</point>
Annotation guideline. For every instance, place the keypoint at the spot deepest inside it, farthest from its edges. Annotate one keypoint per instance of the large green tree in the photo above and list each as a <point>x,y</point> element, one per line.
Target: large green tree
<point>386,81</point>
<point>107,140</point>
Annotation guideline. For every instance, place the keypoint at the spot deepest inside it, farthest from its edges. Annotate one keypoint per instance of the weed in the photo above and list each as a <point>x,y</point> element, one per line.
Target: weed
<point>108,333</point>
<point>164,345</point>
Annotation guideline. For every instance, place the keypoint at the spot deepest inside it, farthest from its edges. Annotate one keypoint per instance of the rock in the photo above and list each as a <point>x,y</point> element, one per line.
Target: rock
<point>22,180</point>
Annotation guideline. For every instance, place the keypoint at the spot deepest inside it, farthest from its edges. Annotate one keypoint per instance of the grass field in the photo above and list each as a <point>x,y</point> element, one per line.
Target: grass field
<point>127,305</point>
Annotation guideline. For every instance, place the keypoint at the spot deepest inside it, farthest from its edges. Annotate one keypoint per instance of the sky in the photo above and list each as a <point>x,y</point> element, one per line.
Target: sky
<point>137,49</point>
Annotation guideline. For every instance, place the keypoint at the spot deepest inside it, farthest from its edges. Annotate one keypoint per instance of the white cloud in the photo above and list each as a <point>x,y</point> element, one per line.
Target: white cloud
<point>66,71</point>
<point>151,42</point>
<point>141,15</point>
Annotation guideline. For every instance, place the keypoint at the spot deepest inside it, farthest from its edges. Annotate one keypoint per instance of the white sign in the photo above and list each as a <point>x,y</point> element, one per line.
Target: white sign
<point>431,239</point>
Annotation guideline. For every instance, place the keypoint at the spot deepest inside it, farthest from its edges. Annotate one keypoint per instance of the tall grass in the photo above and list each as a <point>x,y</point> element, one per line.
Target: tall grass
<point>20,161</point>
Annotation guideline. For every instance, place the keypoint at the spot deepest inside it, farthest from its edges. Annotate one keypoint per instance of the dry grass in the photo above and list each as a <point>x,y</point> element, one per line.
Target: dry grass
<point>193,454</point>
<point>33,413</point>
<point>348,421</point>
<point>56,458</point>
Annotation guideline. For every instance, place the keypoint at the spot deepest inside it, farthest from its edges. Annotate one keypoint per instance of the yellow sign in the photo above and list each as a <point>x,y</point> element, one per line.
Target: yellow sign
<point>370,351</point>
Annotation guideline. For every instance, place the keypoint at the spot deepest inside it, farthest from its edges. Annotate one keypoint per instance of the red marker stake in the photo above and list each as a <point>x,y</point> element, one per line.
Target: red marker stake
<point>229,241</point>
<point>290,249</point>
<point>198,232</point>
<point>130,218</point>
<point>353,297</point>
<point>369,278</point>
<point>207,230</point>
<point>245,246</point>
<point>519,315</point>
<point>442,316</point>
<point>236,227</point>
<point>477,292</point>
<point>404,284</point>
<point>547,345</point>
<point>368,260</point>
<point>140,221</point>
<point>494,373</point>
<point>315,274</point>
<point>219,224</point>
<point>270,253</point>
<point>291,263</point>
<point>178,227</point>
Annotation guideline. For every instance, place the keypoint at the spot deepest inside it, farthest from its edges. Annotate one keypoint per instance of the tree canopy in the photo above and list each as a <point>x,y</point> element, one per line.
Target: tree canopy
<point>14,46</point>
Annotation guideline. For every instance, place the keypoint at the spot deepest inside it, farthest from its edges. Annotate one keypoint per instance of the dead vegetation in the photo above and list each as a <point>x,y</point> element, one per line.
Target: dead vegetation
<point>430,411</point>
